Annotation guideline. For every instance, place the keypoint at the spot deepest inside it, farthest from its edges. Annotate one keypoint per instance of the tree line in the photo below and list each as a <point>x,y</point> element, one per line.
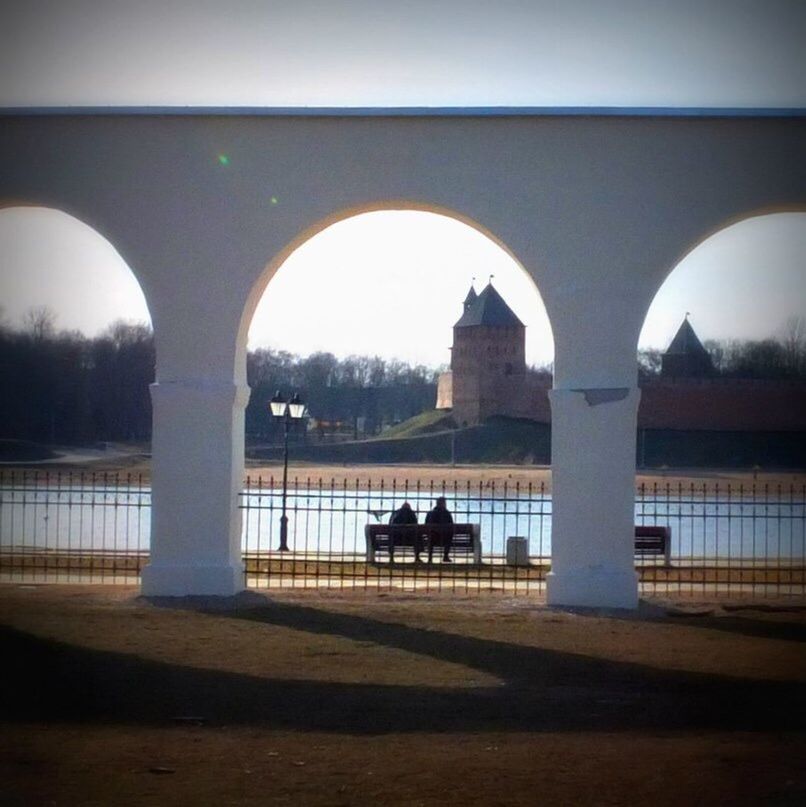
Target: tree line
<point>64,387</point>
<point>356,396</point>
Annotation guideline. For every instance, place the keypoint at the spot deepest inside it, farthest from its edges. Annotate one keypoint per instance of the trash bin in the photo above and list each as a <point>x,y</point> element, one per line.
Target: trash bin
<point>517,551</point>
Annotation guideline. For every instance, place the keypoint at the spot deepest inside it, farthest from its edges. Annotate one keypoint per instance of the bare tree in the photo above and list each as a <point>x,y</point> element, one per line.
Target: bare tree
<point>649,362</point>
<point>795,344</point>
<point>39,322</point>
<point>716,350</point>
<point>122,332</point>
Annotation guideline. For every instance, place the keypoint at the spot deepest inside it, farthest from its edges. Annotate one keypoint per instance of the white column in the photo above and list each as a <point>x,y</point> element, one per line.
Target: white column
<point>197,473</point>
<point>593,497</point>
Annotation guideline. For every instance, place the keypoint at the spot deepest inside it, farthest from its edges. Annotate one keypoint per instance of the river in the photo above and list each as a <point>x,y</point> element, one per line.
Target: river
<point>753,526</point>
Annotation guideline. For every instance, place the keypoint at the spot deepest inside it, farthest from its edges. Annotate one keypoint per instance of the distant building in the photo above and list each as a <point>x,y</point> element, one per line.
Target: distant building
<point>488,377</point>
<point>488,364</point>
<point>686,357</point>
<point>691,416</point>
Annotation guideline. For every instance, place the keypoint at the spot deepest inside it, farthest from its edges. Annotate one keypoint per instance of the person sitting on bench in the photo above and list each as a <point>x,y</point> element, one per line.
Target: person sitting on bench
<point>405,515</point>
<point>440,515</point>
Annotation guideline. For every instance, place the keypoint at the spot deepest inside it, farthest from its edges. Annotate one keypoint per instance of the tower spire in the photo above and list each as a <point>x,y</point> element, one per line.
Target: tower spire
<point>471,295</point>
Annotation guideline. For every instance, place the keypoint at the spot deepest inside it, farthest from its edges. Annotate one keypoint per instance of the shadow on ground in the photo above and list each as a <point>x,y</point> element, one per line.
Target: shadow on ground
<point>748,626</point>
<point>542,690</point>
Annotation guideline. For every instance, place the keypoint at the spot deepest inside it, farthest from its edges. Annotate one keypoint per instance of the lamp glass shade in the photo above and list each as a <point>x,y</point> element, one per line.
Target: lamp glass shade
<point>278,405</point>
<point>296,407</point>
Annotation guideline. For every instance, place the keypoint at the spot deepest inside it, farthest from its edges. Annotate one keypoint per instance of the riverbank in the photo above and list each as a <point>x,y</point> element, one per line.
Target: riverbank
<point>511,475</point>
<point>136,465</point>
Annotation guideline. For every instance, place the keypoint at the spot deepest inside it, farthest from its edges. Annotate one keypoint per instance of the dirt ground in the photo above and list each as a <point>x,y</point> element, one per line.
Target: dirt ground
<point>365,699</point>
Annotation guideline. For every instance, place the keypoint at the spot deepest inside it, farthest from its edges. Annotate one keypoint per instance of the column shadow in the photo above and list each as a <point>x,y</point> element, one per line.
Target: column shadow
<point>542,690</point>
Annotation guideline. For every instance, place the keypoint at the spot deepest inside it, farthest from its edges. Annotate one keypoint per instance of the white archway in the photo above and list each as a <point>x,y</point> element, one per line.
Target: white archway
<point>349,278</point>
<point>54,259</point>
<point>748,273</point>
<point>75,309</point>
<point>742,288</point>
<point>540,317</point>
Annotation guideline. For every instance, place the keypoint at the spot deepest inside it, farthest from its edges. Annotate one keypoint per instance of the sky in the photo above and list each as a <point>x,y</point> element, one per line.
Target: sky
<point>406,52</point>
<point>425,261</point>
<point>702,53</point>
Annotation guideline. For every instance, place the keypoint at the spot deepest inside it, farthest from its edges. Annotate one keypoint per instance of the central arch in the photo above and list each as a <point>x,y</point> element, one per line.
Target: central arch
<point>392,205</point>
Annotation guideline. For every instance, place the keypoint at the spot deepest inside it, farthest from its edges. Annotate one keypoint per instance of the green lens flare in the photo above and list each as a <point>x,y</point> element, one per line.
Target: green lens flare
<point>223,159</point>
<point>274,200</point>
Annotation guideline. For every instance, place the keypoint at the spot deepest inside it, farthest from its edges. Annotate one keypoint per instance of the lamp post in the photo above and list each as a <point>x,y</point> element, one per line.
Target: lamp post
<point>293,409</point>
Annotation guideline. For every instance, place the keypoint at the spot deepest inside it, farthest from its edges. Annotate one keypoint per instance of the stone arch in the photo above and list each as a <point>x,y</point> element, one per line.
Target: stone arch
<point>74,281</point>
<point>261,283</point>
<point>705,234</point>
<point>84,222</point>
<point>690,396</point>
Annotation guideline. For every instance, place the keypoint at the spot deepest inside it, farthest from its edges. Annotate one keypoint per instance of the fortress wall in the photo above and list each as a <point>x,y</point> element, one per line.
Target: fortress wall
<point>747,405</point>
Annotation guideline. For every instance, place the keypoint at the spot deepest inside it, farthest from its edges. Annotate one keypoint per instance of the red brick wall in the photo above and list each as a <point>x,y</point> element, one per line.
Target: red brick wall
<point>690,404</point>
<point>723,405</point>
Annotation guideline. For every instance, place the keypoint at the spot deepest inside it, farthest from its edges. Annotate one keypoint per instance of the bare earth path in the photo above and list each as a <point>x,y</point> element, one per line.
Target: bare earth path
<point>318,699</point>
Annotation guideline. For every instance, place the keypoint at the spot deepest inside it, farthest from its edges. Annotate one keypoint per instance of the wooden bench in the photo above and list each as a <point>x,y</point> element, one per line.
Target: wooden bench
<point>653,540</point>
<point>388,537</point>
<point>649,540</point>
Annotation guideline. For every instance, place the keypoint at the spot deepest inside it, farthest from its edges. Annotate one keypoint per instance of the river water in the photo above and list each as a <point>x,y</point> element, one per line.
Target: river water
<point>756,526</point>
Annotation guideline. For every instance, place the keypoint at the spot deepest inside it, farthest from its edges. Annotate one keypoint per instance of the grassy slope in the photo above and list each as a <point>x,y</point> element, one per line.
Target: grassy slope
<point>425,439</point>
<point>433,420</point>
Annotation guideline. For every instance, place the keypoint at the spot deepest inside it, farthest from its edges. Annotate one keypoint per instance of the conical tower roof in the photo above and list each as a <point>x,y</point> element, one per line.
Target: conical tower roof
<point>686,342</point>
<point>471,298</point>
<point>488,308</point>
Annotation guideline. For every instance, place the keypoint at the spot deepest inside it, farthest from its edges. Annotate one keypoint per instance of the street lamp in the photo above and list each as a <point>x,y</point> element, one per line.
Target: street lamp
<point>287,410</point>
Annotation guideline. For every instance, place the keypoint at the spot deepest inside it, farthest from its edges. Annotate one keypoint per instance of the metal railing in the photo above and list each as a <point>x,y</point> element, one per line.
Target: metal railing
<point>73,527</point>
<point>326,535</point>
<point>727,540</point>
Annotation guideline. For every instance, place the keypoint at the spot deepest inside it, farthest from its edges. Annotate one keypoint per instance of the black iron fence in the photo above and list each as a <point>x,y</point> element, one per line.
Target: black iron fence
<point>329,545</point>
<point>73,527</point>
<point>724,539</point>
<point>730,539</point>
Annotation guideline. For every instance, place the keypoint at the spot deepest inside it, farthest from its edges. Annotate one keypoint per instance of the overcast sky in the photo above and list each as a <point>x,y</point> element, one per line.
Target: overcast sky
<point>409,52</point>
<point>370,53</point>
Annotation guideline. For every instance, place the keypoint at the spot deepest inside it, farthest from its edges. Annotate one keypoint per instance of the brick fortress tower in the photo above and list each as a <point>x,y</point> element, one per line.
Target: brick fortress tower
<point>488,361</point>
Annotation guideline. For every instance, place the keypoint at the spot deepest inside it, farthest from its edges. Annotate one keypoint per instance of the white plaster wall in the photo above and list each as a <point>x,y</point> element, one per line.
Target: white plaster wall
<point>596,209</point>
<point>592,207</point>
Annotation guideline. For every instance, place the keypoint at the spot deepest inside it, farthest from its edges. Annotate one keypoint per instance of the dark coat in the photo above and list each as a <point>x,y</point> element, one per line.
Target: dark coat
<point>404,515</point>
<point>439,515</point>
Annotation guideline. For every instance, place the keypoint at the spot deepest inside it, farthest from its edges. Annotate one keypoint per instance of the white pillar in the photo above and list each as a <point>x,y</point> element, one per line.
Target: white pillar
<point>593,497</point>
<point>197,473</point>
